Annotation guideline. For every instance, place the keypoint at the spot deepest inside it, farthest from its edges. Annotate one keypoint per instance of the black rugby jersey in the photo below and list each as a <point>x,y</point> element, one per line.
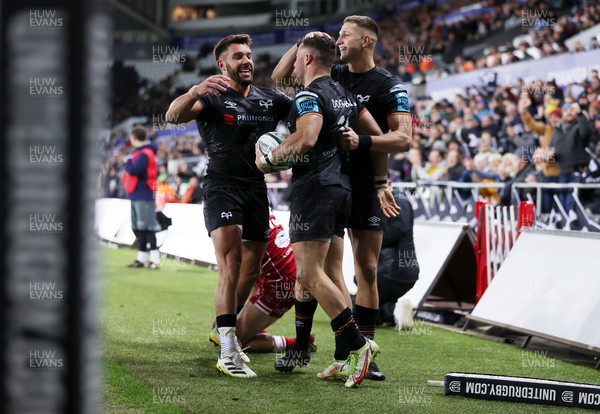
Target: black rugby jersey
<point>325,162</point>
<point>230,125</point>
<point>382,94</point>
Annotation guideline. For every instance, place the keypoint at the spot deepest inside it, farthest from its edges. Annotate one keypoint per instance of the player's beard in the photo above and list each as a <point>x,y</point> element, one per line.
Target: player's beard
<point>236,77</point>
<point>348,56</point>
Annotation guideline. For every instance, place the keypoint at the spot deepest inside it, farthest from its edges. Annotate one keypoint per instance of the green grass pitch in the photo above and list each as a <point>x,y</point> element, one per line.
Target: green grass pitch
<point>157,357</point>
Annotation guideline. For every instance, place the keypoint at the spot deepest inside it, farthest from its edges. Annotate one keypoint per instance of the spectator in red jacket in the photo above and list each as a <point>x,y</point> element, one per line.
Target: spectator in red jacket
<point>140,185</point>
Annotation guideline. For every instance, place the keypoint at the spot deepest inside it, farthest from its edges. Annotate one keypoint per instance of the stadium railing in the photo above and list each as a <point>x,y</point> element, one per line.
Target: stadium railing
<point>557,186</point>
<point>445,197</point>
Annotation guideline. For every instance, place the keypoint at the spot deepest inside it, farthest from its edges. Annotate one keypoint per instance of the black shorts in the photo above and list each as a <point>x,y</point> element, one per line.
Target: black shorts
<point>318,213</point>
<point>247,208</point>
<point>366,214</point>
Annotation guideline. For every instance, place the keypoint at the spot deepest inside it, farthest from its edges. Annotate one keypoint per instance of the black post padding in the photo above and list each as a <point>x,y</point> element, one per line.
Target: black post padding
<point>54,84</point>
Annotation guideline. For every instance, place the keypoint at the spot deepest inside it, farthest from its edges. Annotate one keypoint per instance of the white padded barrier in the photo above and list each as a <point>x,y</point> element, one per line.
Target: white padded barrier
<point>435,243</point>
<point>113,220</point>
<point>548,286</point>
<point>187,238</point>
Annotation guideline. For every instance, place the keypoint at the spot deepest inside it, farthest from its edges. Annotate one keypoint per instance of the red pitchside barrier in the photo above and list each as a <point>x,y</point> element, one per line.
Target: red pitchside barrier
<point>496,233</point>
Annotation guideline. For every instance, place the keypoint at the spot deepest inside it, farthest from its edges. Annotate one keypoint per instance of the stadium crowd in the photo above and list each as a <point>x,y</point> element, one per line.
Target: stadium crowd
<point>410,46</point>
<point>486,134</point>
<point>510,133</point>
<point>482,136</point>
<point>181,159</point>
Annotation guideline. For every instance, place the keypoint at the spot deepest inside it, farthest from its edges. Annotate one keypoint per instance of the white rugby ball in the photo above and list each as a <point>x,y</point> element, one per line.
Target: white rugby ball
<point>267,142</point>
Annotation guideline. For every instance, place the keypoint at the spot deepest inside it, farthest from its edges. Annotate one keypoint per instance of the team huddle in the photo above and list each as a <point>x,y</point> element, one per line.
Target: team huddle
<point>343,125</point>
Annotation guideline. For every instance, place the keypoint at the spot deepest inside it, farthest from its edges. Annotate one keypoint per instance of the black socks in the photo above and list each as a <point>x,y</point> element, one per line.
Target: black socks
<point>305,312</point>
<point>345,327</point>
<point>366,319</point>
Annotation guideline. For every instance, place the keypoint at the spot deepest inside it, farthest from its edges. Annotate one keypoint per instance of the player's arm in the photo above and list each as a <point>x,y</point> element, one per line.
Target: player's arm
<point>300,142</point>
<point>187,107</point>
<point>400,124</point>
<point>387,203</point>
<point>398,139</point>
<point>394,102</point>
<point>285,66</point>
<point>368,125</point>
<point>379,156</point>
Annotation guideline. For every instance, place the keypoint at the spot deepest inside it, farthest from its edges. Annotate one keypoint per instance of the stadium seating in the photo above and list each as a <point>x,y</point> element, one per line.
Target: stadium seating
<point>152,71</point>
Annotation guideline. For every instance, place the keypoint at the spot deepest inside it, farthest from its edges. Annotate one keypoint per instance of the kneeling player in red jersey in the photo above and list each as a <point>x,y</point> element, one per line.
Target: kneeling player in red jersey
<point>272,297</point>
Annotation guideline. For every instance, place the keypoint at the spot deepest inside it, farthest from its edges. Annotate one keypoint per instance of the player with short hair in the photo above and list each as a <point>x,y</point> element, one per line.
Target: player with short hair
<point>386,98</point>
<point>321,199</point>
<point>231,115</point>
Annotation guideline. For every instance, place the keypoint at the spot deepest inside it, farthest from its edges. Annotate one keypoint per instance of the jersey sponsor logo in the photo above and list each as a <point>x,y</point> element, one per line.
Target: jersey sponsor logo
<point>306,103</point>
<point>229,104</point>
<point>228,118</point>
<point>253,119</point>
<point>226,215</point>
<point>363,99</point>
<point>266,103</point>
<point>342,103</point>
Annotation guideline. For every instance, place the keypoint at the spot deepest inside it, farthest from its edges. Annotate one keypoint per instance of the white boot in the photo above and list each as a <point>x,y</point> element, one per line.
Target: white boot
<point>232,359</point>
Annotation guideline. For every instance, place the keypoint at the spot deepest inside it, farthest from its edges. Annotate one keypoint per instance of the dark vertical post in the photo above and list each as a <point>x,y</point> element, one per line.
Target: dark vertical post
<point>54,99</point>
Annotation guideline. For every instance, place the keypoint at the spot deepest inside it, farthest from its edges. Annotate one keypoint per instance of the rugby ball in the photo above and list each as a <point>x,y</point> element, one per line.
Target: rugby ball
<point>267,142</point>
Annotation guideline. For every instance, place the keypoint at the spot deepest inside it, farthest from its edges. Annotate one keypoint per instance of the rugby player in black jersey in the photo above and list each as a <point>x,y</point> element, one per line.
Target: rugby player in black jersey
<point>231,115</point>
<point>387,100</point>
<point>321,197</point>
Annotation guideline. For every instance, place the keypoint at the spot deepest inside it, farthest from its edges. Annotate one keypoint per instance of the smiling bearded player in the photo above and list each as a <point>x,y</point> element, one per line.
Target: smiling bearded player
<point>231,115</point>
